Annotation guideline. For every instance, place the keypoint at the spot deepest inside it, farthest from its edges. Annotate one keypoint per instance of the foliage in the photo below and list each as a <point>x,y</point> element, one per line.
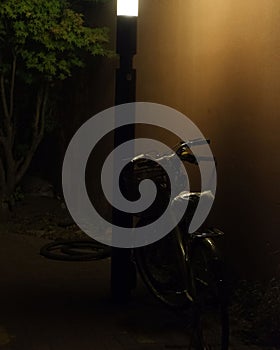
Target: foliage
<point>41,42</point>
<point>48,36</point>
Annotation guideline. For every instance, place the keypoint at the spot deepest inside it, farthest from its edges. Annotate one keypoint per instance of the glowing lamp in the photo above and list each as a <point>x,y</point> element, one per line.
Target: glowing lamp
<point>127,8</point>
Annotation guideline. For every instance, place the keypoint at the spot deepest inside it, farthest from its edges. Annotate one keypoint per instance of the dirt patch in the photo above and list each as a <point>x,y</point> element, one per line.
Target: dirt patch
<point>42,217</point>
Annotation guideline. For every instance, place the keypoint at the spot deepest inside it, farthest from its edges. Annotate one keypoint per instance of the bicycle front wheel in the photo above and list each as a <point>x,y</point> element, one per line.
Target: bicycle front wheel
<point>211,323</point>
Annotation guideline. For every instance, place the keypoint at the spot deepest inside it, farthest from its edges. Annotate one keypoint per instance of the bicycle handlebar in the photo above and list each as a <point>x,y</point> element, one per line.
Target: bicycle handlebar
<point>195,142</point>
<point>184,153</point>
<point>188,157</point>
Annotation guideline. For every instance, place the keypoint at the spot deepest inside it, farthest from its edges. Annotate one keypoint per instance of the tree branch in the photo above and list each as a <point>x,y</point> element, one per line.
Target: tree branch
<point>2,179</point>
<point>43,111</point>
<point>12,86</point>
<point>39,125</point>
<point>38,110</point>
<point>4,99</point>
<point>4,143</point>
<point>7,120</point>
<point>12,91</point>
<point>3,174</point>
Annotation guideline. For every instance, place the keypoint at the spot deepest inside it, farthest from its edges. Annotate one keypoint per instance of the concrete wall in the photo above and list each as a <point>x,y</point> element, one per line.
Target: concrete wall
<point>218,62</point>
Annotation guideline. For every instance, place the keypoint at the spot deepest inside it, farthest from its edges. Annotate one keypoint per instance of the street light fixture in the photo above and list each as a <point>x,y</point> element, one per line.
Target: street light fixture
<point>123,273</point>
<point>127,8</point>
<point>127,13</point>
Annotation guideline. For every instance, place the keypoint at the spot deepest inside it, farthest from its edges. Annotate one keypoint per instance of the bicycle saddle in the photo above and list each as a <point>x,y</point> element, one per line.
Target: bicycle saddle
<point>192,199</point>
<point>193,196</point>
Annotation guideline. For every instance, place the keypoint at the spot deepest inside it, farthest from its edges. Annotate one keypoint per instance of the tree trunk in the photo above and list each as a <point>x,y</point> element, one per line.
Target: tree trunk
<point>22,165</point>
<point>4,207</point>
<point>11,169</point>
<point>6,189</point>
<point>7,138</point>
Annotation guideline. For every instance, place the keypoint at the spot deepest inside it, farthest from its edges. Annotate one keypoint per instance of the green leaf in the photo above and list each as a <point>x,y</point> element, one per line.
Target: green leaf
<point>49,37</point>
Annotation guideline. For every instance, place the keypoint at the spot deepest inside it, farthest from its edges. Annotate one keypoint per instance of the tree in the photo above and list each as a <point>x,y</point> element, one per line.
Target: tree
<point>41,42</point>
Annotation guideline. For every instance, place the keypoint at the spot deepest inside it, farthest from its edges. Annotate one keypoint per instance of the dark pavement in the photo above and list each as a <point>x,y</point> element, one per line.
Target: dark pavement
<point>54,305</point>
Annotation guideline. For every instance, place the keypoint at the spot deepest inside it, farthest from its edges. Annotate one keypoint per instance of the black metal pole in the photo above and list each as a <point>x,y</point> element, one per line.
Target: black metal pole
<point>123,274</point>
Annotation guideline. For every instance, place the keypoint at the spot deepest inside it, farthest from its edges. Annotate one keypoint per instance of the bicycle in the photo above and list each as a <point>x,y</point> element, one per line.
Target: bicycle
<point>184,271</point>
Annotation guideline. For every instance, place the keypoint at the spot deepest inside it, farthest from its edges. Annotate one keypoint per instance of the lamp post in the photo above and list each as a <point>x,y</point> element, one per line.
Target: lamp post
<point>127,13</point>
<point>123,274</point>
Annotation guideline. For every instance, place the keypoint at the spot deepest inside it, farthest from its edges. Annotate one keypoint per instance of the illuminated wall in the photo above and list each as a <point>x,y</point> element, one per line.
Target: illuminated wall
<point>218,62</point>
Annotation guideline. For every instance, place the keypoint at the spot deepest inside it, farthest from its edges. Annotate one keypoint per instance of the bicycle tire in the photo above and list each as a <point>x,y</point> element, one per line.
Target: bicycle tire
<point>75,250</point>
<point>158,268</point>
<point>211,322</point>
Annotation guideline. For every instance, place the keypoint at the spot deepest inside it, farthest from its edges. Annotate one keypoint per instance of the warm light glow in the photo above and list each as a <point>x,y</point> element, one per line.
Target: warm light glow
<point>127,8</point>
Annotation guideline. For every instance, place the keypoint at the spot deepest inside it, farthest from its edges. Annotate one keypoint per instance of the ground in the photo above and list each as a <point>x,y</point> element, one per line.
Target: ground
<point>52,305</point>
<point>44,217</point>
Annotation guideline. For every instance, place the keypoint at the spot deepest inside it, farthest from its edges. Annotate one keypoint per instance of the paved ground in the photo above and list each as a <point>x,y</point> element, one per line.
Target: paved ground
<point>49,305</point>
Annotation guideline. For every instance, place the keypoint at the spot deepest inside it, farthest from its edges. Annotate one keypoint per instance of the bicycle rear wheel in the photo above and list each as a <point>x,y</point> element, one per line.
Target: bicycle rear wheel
<point>157,264</point>
<point>211,322</point>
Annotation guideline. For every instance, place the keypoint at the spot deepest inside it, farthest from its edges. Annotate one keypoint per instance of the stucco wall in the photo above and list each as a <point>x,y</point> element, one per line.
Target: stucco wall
<point>218,62</point>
